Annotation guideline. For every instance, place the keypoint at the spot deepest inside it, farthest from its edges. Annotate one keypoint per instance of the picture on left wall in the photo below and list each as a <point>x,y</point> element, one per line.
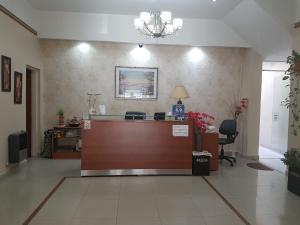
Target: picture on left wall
<point>18,88</point>
<point>5,73</point>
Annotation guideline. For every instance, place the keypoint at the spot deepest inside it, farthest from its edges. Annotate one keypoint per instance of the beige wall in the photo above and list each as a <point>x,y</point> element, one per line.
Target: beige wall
<point>213,77</point>
<point>213,82</point>
<point>23,48</point>
<point>251,88</point>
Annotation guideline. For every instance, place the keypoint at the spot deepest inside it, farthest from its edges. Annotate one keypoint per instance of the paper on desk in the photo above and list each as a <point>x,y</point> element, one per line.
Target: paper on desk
<point>210,129</point>
<point>203,153</point>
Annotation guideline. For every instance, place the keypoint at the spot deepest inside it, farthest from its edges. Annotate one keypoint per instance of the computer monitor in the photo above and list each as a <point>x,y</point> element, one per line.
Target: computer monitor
<point>159,116</point>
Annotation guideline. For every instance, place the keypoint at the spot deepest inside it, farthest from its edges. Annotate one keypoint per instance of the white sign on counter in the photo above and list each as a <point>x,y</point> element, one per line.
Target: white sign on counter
<point>180,130</point>
<point>87,124</point>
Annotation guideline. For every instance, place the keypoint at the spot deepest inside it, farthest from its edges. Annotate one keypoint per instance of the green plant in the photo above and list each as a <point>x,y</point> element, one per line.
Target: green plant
<point>292,158</point>
<point>292,100</point>
<point>60,112</point>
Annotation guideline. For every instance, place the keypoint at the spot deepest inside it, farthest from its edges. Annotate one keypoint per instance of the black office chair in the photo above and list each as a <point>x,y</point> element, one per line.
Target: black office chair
<point>228,128</point>
<point>159,116</point>
<point>135,115</point>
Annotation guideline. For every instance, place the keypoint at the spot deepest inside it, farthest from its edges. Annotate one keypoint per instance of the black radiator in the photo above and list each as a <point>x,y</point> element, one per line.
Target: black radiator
<point>17,147</point>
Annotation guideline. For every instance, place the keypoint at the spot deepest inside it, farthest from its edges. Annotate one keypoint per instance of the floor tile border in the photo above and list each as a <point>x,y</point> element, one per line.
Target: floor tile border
<point>40,206</point>
<point>226,201</point>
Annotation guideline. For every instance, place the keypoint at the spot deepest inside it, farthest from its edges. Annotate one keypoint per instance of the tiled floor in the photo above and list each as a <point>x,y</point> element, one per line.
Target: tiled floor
<point>23,188</point>
<point>260,196</point>
<point>272,159</point>
<point>149,200</point>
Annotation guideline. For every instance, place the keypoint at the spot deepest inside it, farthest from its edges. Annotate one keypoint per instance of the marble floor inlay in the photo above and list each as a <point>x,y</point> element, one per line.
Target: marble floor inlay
<point>260,197</point>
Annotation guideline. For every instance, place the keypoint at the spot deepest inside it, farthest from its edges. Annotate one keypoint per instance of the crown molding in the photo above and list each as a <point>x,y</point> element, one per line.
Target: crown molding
<point>17,19</point>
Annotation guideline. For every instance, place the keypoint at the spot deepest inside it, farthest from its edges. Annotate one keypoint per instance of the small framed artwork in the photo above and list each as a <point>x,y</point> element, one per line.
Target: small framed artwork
<point>139,83</point>
<point>18,88</point>
<point>6,73</point>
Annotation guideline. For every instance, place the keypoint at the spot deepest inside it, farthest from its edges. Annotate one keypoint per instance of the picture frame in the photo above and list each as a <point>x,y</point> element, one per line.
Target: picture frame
<point>5,73</point>
<point>18,87</point>
<point>136,83</point>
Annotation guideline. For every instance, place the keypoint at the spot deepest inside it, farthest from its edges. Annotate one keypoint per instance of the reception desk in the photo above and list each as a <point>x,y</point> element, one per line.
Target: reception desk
<point>137,147</point>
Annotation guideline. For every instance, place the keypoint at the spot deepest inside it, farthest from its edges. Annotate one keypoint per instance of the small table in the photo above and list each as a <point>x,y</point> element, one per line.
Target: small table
<point>66,142</point>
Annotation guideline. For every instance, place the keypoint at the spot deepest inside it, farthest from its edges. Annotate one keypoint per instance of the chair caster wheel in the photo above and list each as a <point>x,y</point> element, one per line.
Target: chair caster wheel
<point>234,160</point>
<point>231,164</point>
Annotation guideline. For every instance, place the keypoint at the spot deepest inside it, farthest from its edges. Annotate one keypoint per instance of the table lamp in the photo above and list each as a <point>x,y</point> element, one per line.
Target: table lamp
<point>179,92</point>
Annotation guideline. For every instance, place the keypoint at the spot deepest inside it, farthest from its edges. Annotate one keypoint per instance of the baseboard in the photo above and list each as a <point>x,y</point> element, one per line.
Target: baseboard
<point>249,157</point>
<point>10,167</point>
<point>3,172</point>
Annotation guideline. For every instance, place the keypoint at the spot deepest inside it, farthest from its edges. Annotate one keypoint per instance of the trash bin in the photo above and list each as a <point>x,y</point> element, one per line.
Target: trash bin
<point>201,164</point>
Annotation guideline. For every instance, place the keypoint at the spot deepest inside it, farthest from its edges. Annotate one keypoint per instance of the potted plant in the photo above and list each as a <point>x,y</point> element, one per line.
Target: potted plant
<point>61,120</point>
<point>201,123</point>
<point>292,160</point>
<point>292,100</point>
<point>292,157</point>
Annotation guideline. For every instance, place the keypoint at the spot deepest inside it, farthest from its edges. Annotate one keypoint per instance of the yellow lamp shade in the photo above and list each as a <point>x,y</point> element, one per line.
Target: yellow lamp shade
<point>179,92</point>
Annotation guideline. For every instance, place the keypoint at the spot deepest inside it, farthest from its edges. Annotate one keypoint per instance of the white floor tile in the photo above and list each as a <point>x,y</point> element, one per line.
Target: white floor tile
<point>260,196</point>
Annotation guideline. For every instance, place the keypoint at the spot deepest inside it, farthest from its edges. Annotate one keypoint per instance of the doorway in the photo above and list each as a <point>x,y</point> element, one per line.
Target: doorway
<point>33,111</point>
<point>29,111</point>
<point>274,117</point>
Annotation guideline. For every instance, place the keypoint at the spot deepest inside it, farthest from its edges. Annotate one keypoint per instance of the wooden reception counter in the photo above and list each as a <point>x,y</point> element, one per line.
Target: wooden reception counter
<point>136,147</point>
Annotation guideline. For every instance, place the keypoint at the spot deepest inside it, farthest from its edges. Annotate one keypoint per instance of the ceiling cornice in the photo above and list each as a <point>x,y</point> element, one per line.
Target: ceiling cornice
<point>17,19</point>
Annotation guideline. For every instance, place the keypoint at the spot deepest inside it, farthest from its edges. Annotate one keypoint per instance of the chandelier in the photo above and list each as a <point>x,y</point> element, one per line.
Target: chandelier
<point>157,24</point>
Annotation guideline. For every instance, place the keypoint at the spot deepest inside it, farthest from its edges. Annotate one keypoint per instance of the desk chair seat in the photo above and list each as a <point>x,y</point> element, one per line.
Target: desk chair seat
<point>228,128</point>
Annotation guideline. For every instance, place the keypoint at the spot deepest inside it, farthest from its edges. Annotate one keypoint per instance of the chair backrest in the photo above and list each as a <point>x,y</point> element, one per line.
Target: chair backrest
<point>228,127</point>
<point>135,115</point>
<point>159,116</point>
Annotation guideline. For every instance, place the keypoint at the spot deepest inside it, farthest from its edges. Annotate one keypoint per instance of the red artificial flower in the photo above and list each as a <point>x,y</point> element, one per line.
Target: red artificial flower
<point>201,120</point>
<point>243,104</point>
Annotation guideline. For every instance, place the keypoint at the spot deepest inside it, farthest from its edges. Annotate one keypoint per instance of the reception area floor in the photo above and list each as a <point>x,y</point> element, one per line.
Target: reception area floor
<point>230,196</point>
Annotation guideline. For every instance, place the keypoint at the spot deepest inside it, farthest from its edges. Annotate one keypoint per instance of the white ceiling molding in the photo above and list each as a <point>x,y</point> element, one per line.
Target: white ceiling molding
<point>265,25</point>
<point>21,8</point>
<point>119,28</point>
<point>284,12</point>
<point>267,36</point>
<point>201,9</point>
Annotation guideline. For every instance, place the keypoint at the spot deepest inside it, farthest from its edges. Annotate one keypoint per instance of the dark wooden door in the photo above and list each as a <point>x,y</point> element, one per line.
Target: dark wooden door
<point>28,110</point>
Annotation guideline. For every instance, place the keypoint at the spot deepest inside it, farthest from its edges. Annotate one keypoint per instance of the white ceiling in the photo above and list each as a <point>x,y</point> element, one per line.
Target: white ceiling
<point>205,9</point>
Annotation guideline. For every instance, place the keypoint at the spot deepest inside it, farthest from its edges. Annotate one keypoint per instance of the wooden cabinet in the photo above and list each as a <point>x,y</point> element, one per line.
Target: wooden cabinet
<point>210,144</point>
<point>66,143</point>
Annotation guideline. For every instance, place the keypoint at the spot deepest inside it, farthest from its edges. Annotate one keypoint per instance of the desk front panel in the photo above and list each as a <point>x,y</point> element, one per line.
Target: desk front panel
<point>110,145</point>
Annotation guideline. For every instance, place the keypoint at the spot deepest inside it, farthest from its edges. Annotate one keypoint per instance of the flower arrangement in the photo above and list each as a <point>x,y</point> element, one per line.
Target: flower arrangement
<point>243,105</point>
<point>201,120</point>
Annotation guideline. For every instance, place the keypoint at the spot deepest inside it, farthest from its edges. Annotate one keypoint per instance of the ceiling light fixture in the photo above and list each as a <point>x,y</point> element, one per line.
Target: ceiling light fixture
<point>157,24</point>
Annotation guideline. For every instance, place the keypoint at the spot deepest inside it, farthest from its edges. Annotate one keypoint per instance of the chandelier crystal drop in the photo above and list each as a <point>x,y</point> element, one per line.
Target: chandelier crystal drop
<point>157,24</point>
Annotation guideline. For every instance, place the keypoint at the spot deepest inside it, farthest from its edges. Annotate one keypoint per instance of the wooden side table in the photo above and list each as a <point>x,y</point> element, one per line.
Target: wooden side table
<point>65,142</point>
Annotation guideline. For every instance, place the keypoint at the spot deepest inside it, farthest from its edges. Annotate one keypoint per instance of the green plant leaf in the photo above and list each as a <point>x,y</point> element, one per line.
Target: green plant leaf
<point>295,132</point>
<point>285,77</point>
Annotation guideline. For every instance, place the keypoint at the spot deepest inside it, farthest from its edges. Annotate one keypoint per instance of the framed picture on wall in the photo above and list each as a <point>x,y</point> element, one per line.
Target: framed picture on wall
<point>6,73</point>
<point>139,83</point>
<point>18,88</point>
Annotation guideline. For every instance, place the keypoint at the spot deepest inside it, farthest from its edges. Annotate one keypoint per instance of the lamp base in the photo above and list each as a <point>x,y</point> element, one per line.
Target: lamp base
<point>179,102</point>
